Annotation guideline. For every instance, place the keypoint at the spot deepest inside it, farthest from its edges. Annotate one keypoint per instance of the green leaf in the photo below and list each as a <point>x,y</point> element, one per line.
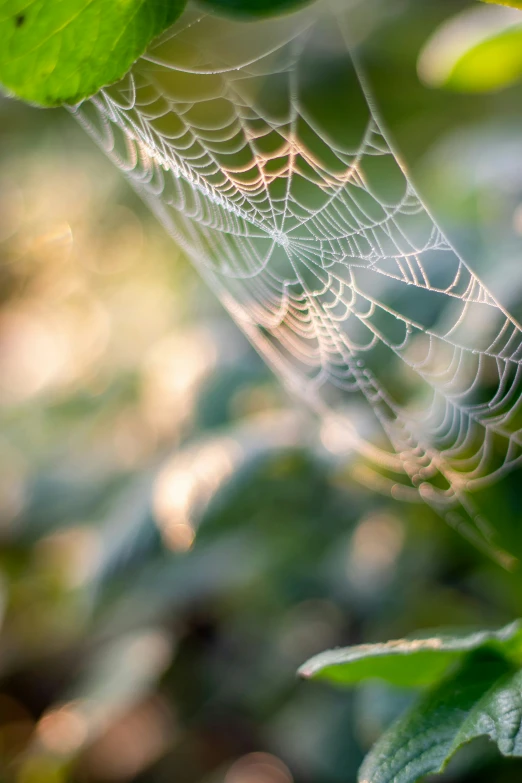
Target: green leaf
<point>490,65</point>
<point>253,9</point>
<point>61,51</point>
<point>510,3</point>
<point>411,662</point>
<point>482,698</point>
<point>479,50</point>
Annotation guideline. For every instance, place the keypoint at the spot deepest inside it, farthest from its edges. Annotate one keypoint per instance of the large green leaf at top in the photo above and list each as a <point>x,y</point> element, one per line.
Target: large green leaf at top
<point>253,9</point>
<point>411,662</point>
<point>482,698</point>
<point>61,51</point>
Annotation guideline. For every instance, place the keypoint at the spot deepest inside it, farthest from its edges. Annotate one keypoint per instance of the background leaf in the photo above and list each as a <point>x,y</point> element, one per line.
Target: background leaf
<point>482,698</point>
<point>410,662</point>
<point>510,3</point>
<point>61,52</point>
<point>479,50</point>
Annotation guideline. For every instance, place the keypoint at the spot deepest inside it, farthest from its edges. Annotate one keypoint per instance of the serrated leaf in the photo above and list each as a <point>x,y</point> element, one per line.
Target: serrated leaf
<point>253,9</point>
<point>478,50</point>
<point>66,50</point>
<point>482,698</point>
<point>411,662</point>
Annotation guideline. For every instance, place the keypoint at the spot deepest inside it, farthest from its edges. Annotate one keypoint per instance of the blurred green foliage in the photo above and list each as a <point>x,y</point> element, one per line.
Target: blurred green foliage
<point>176,537</point>
<point>478,50</point>
<point>510,3</point>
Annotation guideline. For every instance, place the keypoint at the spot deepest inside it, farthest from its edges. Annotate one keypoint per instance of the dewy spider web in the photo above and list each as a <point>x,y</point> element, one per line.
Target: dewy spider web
<point>257,147</point>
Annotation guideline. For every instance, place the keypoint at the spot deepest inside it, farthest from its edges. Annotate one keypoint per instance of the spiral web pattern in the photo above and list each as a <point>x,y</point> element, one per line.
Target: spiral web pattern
<point>258,149</point>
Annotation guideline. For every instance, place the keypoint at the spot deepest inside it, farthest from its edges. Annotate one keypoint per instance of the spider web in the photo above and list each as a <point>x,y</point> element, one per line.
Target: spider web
<point>258,148</point>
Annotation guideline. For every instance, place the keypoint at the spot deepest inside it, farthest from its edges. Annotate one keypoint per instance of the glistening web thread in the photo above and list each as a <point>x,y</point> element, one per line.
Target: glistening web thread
<point>257,147</point>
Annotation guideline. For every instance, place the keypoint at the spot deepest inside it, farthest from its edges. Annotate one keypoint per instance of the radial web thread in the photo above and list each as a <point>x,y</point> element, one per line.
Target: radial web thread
<point>257,147</point>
